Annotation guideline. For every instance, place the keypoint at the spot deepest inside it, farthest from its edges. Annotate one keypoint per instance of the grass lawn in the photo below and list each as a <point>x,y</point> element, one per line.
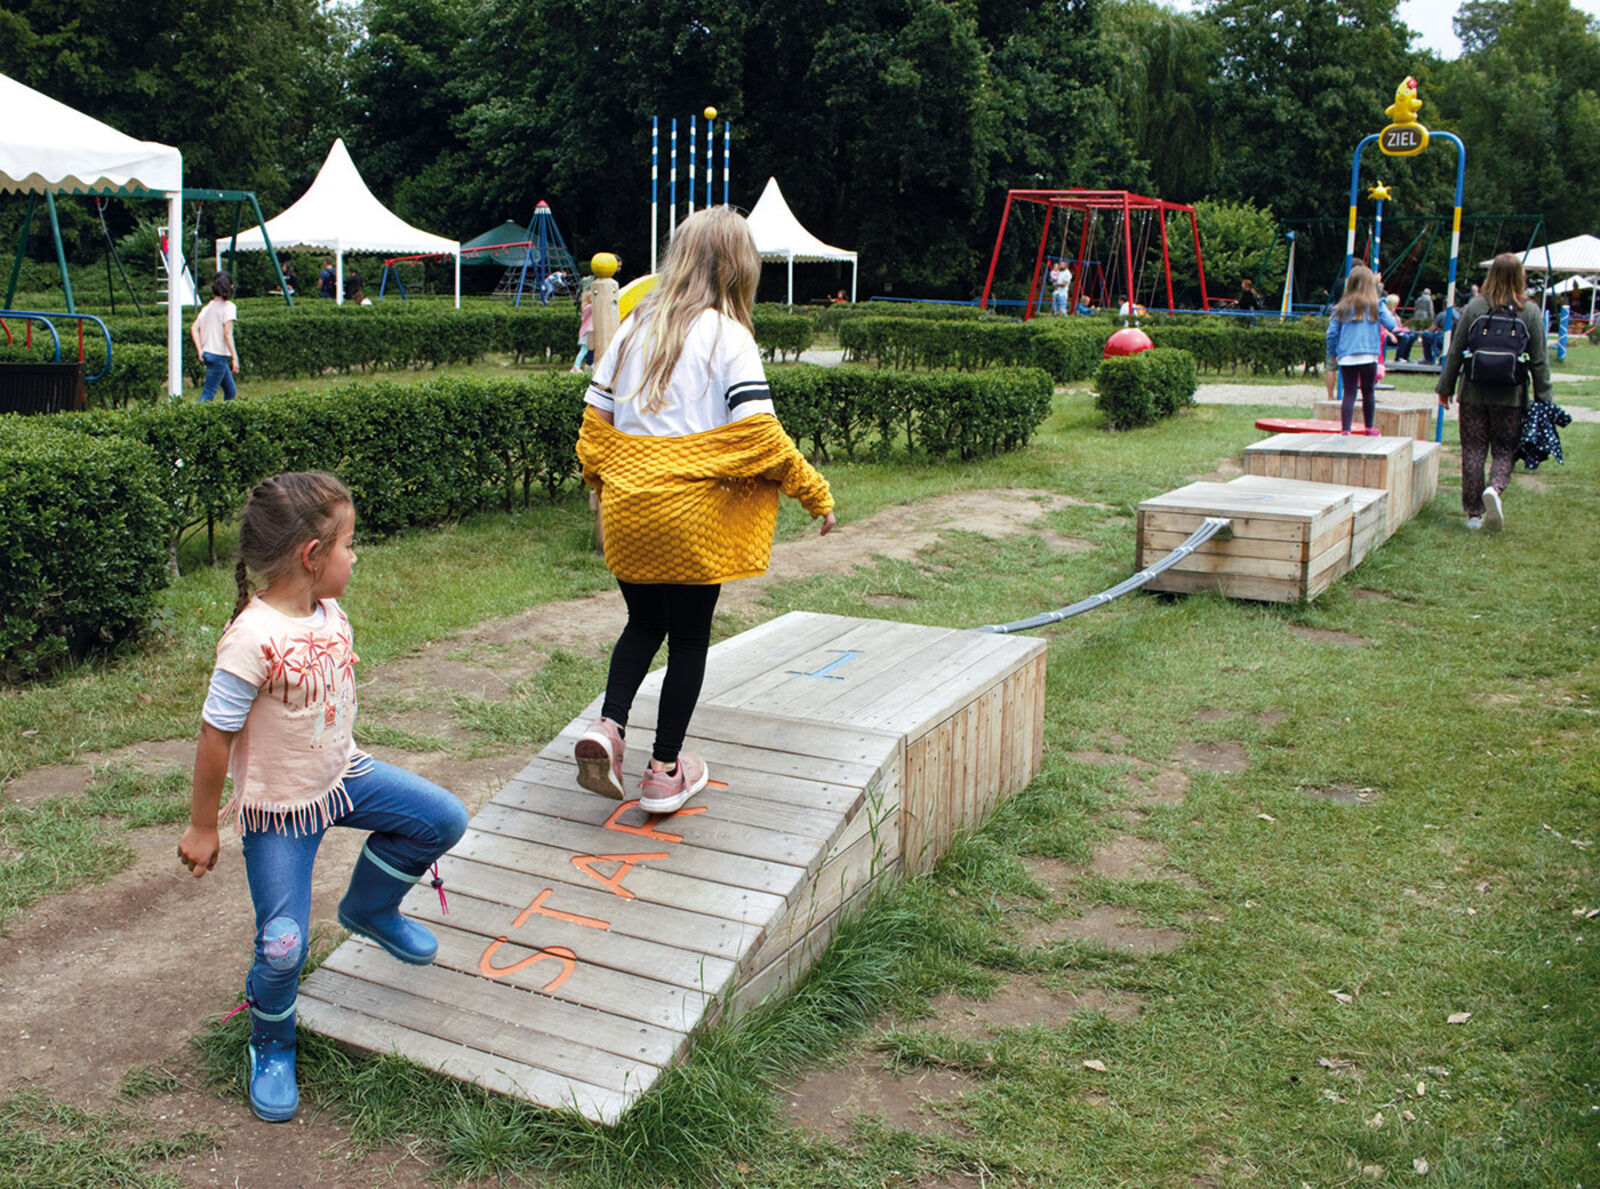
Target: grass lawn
<point>1406,842</point>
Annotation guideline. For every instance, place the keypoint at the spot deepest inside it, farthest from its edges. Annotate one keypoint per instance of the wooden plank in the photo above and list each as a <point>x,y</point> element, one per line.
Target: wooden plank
<point>927,700</point>
<point>775,645</point>
<point>551,786</point>
<point>1255,527</point>
<point>683,928</point>
<point>491,1072</point>
<point>684,858</point>
<point>624,994</point>
<point>631,1041</point>
<point>1039,677</point>
<point>461,1025</point>
<point>488,919</point>
<point>866,857</point>
<point>646,881</point>
<point>1234,586</point>
<point>1235,546</point>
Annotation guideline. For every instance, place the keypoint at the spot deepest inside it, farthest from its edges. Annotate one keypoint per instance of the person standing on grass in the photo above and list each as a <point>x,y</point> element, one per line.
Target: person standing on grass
<point>327,279</point>
<point>682,445</point>
<point>1492,413</point>
<point>212,335</point>
<point>1355,341</point>
<point>278,719</point>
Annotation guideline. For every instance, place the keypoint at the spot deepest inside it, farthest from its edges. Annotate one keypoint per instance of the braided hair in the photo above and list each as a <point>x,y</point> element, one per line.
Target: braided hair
<point>281,515</point>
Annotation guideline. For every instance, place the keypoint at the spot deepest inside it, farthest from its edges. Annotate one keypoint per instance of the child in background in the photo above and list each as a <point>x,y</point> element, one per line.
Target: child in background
<point>278,719</point>
<point>212,335</point>
<point>585,356</point>
<point>683,446</point>
<point>1355,340</point>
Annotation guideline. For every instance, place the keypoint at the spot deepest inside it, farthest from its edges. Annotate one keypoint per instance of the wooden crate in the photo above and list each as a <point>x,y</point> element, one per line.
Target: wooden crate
<point>1424,474</point>
<point>585,942</point>
<point>1286,544</point>
<point>1394,421</point>
<point>1368,511</point>
<point>1354,461</point>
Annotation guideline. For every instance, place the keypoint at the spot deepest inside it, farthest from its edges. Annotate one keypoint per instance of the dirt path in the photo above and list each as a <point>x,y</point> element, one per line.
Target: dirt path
<point>118,976</point>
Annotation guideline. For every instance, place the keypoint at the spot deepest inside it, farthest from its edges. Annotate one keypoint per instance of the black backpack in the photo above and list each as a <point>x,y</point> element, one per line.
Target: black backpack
<point>1497,348</point>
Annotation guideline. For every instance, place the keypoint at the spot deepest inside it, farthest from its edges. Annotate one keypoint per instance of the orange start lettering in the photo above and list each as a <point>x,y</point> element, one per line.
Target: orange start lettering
<point>614,882</point>
<point>647,830</point>
<point>570,917</point>
<point>568,960</point>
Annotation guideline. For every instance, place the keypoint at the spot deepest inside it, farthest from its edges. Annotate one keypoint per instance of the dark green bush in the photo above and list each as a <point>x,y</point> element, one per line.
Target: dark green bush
<point>82,542</point>
<point>782,335</point>
<point>860,410</point>
<point>1070,348</point>
<point>1139,389</point>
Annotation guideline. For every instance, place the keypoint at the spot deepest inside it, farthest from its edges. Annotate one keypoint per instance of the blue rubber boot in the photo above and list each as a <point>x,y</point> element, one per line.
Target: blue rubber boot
<point>371,907</point>
<point>274,1095</point>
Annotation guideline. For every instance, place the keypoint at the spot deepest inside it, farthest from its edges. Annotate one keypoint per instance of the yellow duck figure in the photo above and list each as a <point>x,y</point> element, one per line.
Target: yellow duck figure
<point>1406,105</point>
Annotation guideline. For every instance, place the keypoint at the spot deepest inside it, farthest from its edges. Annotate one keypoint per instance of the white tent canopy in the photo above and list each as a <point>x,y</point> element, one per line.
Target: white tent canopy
<point>338,214</point>
<point>47,147</point>
<point>779,236</point>
<point>1581,253</point>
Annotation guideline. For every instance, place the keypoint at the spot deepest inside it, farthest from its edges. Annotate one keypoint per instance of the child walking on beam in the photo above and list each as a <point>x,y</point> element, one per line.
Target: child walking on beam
<point>682,445</point>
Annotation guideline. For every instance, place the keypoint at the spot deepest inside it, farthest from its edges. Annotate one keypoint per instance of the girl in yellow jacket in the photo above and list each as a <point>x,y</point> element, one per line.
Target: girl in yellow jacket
<point>682,446</point>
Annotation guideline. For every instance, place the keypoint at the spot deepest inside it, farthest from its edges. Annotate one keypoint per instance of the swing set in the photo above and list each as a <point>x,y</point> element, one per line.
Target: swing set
<point>1129,223</point>
<point>194,194</point>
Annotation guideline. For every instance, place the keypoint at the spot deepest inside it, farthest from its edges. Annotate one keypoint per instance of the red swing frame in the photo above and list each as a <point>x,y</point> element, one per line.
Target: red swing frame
<point>1092,202</point>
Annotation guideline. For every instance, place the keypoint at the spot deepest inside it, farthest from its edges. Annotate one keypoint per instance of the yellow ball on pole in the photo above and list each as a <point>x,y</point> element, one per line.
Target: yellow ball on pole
<point>711,113</point>
<point>603,264</point>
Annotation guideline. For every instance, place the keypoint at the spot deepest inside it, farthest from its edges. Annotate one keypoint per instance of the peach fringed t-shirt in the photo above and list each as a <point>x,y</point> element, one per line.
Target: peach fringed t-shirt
<point>290,761</point>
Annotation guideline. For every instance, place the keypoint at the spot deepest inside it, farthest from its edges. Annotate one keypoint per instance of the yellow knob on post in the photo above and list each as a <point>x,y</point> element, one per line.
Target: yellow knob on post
<point>711,113</point>
<point>604,264</point>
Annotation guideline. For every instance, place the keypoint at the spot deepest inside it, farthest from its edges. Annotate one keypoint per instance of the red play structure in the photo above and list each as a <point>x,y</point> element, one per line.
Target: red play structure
<point>1122,205</point>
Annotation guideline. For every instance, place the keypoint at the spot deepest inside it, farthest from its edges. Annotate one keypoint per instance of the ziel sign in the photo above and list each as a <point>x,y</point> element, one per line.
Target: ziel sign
<point>1403,140</point>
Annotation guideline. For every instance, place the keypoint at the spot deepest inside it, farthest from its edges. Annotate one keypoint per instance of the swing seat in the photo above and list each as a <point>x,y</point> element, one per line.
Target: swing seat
<point>42,388</point>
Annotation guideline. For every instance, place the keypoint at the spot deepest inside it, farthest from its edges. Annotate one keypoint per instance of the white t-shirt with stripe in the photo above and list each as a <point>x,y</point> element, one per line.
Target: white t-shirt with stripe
<point>719,379</point>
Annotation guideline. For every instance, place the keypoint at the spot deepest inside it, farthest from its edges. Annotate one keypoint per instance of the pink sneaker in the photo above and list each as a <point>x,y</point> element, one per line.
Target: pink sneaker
<point>1372,432</point>
<point>599,756</point>
<point>661,793</point>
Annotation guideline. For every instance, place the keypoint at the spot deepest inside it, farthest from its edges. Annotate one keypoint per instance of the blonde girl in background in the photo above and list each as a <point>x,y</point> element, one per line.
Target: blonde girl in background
<point>1355,342</point>
<point>683,446</point>
<point>278,719</point>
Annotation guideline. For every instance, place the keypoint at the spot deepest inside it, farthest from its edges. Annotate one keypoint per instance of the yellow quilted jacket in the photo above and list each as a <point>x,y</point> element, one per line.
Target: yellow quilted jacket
<point>697,509</point>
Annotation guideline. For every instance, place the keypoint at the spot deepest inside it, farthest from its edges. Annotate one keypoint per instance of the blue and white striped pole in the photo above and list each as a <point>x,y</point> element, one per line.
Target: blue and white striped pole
<point>711,157</point>
<point>655,162</point>
<point>727,133</point>
<point>1561,332</point>
<point>672,185</point>
<point>693,124</point>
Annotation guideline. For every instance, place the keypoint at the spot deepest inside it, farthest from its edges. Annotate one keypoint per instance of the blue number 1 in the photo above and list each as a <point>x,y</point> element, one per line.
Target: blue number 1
<point>842,656</point>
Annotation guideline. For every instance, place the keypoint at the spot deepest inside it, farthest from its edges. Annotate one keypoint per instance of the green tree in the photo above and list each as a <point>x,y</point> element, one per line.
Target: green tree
<point>1236,239</point>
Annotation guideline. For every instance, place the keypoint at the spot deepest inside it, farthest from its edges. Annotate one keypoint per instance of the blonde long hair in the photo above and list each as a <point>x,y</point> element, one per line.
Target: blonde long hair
<point>712,263</point>
<point>1360,300</point>
<point>1506,280</point>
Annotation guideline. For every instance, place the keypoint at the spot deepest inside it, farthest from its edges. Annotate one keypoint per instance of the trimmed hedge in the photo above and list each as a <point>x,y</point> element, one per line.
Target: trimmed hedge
<point>96,501</point>
<point>276,342</point>
<point>82,554</point>
<point>1070,348</point>
<point>1139,389</point>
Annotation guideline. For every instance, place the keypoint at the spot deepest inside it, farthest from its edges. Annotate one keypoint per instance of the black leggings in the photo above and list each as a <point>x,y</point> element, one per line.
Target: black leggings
<point>681,615</point>
<point>1364,375</point>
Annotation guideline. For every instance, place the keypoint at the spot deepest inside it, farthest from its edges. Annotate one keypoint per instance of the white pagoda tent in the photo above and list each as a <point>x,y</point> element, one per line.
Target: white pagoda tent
<point>779,236</point>
<point>47,147</point>
<point>338,214</point>
<point>1581,253</point>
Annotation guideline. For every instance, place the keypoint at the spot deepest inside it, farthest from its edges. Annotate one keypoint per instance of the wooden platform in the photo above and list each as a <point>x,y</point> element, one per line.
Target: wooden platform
<point>1424,474</point>
<point>586,942</point>
<point>1393,421</point>
<point>1354,461</point>
<point>1287,544</point>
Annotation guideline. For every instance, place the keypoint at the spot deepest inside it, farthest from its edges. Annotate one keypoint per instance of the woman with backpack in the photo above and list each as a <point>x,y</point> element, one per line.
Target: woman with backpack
<point>1498,346</point>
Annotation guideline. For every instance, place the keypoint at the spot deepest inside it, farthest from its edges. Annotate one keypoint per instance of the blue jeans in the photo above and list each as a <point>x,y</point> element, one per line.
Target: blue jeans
<point>219,370</point>
<point>413,821</point>
<point>1058,301</point>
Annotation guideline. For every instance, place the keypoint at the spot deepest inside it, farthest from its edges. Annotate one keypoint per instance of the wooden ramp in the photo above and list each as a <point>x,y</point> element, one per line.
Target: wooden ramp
<point>586,942</point>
